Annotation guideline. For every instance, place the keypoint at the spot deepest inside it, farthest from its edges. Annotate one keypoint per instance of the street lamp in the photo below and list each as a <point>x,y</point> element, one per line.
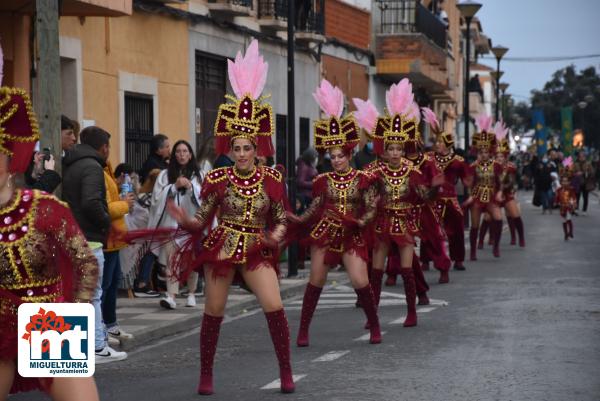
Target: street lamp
<point>503,87</point>
<point>499,52</point>
<point>467,9</point>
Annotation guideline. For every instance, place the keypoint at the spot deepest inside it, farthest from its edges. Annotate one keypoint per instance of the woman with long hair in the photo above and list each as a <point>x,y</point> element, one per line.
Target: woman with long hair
<point>179,183</point>
<point>252,219</point>
<point>343,204</point>
<point>44,257</point>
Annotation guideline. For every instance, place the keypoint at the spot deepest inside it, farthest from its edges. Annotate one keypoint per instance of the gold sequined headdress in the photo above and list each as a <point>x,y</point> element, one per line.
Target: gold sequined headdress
<point>334,131</point>
<point>246,115</point>
<point>484,138</point>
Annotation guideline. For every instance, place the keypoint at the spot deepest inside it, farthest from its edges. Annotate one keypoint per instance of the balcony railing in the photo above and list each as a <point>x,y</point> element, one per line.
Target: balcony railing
<point>243,3</point>
<point>410,16</point>
<point>309,15</point>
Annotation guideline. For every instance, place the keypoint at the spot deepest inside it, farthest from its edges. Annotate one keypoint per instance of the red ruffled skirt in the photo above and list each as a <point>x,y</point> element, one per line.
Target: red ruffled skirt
<point>399,226</point>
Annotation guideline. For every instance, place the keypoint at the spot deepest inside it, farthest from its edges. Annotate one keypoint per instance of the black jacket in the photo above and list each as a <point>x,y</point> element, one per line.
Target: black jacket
<point>85,192</point>
<point>47,182</point>
<point>153,162</point>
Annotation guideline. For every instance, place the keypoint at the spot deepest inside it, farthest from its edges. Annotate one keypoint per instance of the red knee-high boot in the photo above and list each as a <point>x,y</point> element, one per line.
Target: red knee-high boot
<point>496,229</point>
<point>375,279</point>
<point>473,242</point>
<point>311,298</point>
<point>482,231</point>
<point>566,230</point>
<point>511,227</point>
<point>390,269</point>
<point>421,283</point>
<point>368,301</point>
<point>280,335</point>
<point>520,230</point>
<point>209,336</point>
<point>410,291</point>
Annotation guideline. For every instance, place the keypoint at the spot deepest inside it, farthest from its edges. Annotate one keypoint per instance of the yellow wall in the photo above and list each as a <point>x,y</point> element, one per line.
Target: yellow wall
<point>146,44</point>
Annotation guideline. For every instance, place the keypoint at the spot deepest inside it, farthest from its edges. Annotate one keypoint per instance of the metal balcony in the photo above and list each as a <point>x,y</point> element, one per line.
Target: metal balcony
<point>230,8</point>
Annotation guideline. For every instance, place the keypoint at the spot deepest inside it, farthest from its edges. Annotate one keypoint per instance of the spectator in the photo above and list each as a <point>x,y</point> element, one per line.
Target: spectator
<point>305,173</point>
<point>206,156</point>
<point>160,149</point>
<point>118,206</point>
<point>586,179</point>
<point>181,184</point>
<point>40,174</point>
<point>223,161</point>
<point>85,192</point>
<point>543,185</point>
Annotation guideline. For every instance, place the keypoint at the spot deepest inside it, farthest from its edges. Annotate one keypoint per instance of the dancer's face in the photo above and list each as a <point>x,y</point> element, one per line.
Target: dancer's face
<point>500,158</point>
<point>484,155</point>
<point>340,161</point>
<point>244,153</point>
<point>441,147</point>
<point>394,153</point>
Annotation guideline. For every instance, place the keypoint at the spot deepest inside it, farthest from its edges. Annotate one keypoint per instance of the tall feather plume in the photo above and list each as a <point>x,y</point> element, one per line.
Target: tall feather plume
<point>500,130</point>
<point>366,114</point>
<point>248,73</point>
<point>412,111</point>
<point>568,162</point>
<point>330,98</point>
<point>1,64</point>
<point>399,97</point>
<point>430,118</point>
<point>484,122</point>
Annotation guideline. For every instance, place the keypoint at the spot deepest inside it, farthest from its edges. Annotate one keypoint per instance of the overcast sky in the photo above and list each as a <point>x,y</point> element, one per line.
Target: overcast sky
<point>540,28</point>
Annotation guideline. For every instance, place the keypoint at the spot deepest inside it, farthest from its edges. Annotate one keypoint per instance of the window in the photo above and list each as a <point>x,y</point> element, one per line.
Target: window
<point>139,128</point>
<point>304,134</point>
<point>211,86</point>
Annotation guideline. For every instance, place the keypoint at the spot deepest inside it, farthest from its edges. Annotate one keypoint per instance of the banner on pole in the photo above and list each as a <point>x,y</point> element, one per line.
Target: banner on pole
<point>566,117</point>
<point>541,136</point>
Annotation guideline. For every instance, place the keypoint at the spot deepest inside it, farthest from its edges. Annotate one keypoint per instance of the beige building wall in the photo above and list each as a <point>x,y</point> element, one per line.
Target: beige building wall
<point>135,53</point>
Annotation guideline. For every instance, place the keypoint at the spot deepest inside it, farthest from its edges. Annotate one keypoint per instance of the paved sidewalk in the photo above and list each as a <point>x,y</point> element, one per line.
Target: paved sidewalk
<point>148,321</point>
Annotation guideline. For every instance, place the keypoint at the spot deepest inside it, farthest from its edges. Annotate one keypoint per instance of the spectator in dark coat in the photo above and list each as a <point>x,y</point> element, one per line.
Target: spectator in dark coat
<point>305,173</point>
<point>160,150</point>
<point>364,156</point>
<point>543,185</point>
<point>40,174</point>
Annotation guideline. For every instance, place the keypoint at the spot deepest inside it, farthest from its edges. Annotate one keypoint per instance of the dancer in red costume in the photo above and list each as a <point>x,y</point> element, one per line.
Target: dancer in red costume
<point>446,204</point>
<point>252,217</point>
<point>486,193</point>
<point>401,186</point>
<point>432,239</point>
<point>507,183</point>
<point>44,257</point>
<point>566,197</point>
<point>343,204</point>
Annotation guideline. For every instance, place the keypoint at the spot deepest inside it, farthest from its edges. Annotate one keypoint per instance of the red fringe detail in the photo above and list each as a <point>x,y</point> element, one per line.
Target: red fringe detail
<point>264,146</point>
<point>222,145</point>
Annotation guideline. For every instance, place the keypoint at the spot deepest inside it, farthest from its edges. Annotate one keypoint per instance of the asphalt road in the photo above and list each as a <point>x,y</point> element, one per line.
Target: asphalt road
<point>522,327</point>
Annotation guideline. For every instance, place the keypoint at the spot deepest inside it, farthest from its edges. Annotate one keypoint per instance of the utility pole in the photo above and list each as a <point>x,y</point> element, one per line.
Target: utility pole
<point>47,91</point>
<point>291,134</point>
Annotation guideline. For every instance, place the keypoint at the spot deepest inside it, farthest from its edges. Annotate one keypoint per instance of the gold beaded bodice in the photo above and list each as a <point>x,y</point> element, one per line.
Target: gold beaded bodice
<point>245,209</point>
<point>485,180</point>
<point>395,185</point>
<point>34,229</point>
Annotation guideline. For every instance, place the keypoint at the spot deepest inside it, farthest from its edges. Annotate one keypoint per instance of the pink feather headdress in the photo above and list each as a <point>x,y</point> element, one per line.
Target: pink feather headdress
<point>366,114</point>
<point>334,131</point>
<point>1,64</point>
<point>245,115</point>
<point>500,130</point>
<point>484,122</point>
<point>431,119</point>
<point>568,162</point>
<point>330,99</point>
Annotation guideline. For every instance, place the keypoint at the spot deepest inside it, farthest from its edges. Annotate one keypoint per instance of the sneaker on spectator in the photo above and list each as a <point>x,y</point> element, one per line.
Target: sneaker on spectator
<point>145,292</point>
<point>107,354</point>
<point>118,333</point>
<point>168,302</point>
<point>191,300</point>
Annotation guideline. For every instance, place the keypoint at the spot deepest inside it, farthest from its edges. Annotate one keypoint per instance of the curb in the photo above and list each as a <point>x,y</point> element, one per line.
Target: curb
<point>165,329</point>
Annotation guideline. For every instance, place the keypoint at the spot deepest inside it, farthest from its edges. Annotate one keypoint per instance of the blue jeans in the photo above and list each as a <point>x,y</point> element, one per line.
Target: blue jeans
<point>100,330</point>
<point>146,265</point>
<point>110,284</point>
<point>546,198</point>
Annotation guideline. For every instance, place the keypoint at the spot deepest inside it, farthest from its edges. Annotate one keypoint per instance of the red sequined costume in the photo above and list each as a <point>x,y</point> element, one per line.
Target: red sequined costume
<point>566,198</point>
<point>344,203</point>
<point>44,257</point>
<point>447,208</point>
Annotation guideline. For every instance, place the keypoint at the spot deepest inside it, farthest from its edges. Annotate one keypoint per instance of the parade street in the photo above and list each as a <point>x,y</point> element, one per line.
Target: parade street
<point>522,327</point>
